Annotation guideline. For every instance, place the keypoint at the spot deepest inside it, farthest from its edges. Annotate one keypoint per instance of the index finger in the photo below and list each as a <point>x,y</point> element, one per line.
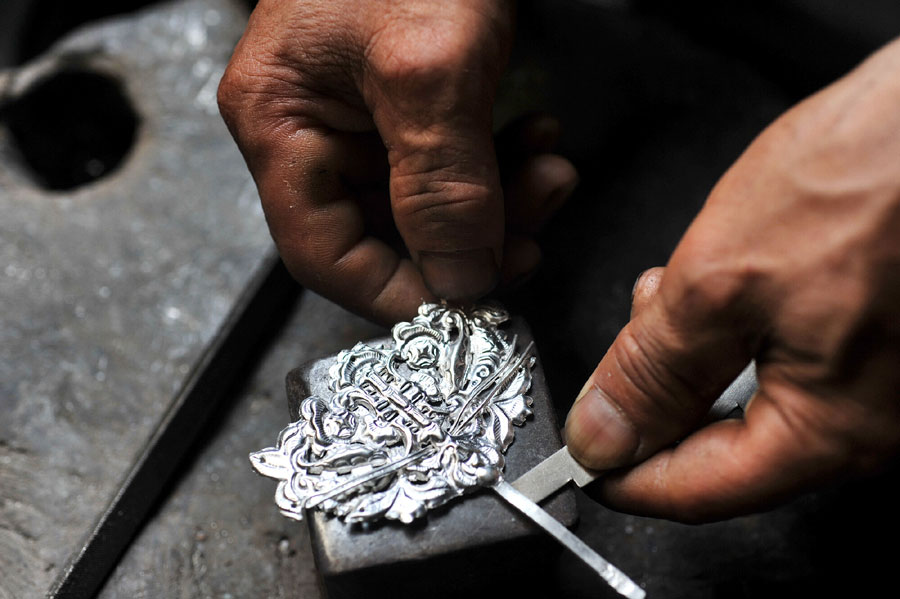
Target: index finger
<point>728,468</point>
<point>315,219</point>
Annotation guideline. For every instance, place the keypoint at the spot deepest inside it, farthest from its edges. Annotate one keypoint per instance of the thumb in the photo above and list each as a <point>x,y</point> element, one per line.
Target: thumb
<point>433,109</point>
<point>656,382</point>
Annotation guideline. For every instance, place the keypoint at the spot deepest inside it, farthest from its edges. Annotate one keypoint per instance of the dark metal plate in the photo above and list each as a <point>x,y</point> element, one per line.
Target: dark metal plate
<point>471,544</point>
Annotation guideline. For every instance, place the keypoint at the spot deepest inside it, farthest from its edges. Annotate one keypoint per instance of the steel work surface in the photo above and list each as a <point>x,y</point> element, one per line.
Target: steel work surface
<point>650,130</point>
<point>112,292</point>
<point>651,117</point>
<point>390,558</point>
<point>220,535</point>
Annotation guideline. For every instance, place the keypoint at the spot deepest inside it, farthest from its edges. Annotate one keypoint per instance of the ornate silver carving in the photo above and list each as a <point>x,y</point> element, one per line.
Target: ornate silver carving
<point>408,427</point>
<point>412,425</point>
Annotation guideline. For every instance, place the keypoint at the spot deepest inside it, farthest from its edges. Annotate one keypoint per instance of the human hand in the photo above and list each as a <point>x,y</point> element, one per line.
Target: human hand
<point>358,117</point>
<point>794,261</point>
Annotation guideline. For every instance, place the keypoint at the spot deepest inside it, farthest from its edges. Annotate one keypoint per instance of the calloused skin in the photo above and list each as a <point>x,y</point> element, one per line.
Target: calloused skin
<point>358,117</point>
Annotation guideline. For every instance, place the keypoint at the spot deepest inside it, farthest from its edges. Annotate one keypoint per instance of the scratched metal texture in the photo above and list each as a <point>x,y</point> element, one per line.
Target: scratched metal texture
<point>388,559</point>
<point>652,118</point>
<point>220,533</point>
<point>112,291</point>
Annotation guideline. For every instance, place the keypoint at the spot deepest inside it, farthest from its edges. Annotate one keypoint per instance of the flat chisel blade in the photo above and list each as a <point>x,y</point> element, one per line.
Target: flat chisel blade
<point>552,474</point>
<point>608,572</point>
<point>560,468</point>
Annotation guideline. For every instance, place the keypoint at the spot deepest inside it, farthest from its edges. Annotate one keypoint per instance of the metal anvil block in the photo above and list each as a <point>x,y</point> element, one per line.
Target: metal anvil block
<point>474,545</point>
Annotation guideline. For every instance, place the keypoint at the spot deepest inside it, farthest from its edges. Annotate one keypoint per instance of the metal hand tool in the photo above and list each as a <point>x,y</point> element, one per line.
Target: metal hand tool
<point>392,429</point>
<point>561,468</point>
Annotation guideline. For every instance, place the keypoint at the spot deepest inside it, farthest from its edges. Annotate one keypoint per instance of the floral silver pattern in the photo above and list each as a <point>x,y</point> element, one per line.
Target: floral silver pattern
<point>408,426</point>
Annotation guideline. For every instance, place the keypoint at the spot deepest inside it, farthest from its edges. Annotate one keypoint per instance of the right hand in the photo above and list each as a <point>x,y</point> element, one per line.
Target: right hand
<point>357,117</point>
<point>794,261</point>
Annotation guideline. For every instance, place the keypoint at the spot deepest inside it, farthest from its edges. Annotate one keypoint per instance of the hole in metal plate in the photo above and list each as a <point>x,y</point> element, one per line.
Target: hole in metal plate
<point>71,128</point>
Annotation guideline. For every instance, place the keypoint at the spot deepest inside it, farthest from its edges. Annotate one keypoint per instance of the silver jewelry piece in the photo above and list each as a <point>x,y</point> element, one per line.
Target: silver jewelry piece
<point>409,427</point>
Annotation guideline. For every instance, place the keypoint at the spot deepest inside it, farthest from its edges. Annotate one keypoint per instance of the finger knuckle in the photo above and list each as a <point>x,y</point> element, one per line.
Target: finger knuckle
<point>667,400</point>
<point>712,289</point>
<point>241,92</point>
<point>417,62</point>
<point>258,86</point>
<point>434,54</point>
<point>442,209</point>
<point>230,96</point>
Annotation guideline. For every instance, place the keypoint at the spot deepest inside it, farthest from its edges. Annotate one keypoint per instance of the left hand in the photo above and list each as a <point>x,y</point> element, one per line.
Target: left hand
<point>367,121</point>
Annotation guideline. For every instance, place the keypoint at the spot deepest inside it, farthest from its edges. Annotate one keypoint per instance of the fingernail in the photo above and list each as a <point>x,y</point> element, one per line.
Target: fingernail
<point>460,276</point>
<point>597,433</point>
<point>584,390</point>
<point>637,283</point>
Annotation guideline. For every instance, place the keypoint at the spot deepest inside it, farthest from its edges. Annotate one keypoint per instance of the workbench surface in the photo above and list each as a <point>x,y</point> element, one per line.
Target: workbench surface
<point>654,108</point>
